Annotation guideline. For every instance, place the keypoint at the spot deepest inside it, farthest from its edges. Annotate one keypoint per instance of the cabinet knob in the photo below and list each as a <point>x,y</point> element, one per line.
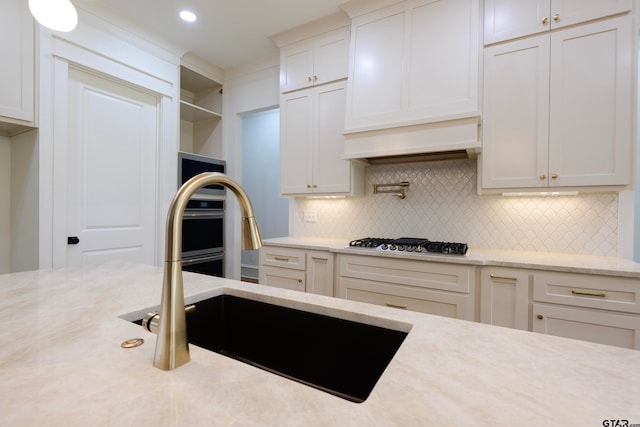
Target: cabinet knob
<point>308,185</point>
<point>299,280</point>
<point>309,79</point>
<point>554,176</point>
<point>315,78</point>
<point>556,17</point>
<point>545,20</point>
<point>540,316</point>
<point>543,176</point>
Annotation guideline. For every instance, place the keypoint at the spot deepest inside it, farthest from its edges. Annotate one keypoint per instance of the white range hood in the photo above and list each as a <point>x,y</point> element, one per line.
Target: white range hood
<point>442,140</point>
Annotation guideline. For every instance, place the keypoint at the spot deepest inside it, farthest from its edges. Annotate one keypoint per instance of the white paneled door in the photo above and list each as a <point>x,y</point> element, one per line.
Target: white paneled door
<point>111,171</point>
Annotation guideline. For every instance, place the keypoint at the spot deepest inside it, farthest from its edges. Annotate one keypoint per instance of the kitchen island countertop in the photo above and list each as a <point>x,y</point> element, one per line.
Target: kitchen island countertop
<point>61,364</point>
<point>550,261</point>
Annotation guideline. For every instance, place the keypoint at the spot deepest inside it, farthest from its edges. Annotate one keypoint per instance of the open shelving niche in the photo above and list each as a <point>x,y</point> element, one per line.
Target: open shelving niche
<point>200,113</point>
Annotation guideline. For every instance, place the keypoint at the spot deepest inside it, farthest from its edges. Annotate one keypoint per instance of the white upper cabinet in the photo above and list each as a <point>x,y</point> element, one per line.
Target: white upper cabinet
<point>17,74</point>
<point>314,61</point>
<point>510,19</point>
<point>558,108</point>
<point>413,62</point>
<point>311,144</point>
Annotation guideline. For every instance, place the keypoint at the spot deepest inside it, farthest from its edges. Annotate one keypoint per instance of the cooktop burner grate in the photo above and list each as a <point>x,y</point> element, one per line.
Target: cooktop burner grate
<point>410,244</point>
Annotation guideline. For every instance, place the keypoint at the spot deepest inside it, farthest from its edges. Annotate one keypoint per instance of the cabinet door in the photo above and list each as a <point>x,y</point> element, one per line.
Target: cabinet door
<point>504,298</point>
<point>376,65</point>
<point>509,19</point>
<point>516,114</point>
<point>331,173</point>
<point>296,142</point>
<point>570,12</point>
<point>414,62</point>
<point>442,53</point>
<point>331,57</point>
<point>590,129</point>
<point>282,278</point>
<point>315,61</point>
<point>17,53</point>
<point>296,66</point>
<point>587,325</point>
<point>319,273</point>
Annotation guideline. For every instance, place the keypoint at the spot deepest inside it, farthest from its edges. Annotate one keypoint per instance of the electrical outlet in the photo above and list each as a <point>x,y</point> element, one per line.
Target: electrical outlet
<point>310,216</point>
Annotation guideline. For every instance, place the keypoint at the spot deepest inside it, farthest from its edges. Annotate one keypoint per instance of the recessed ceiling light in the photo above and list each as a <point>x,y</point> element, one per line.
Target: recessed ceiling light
<point>188,16</point>
<point>59,15</point>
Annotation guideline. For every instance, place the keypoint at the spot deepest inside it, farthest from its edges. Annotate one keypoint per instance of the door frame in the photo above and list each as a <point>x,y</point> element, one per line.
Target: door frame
<point>125,64</point>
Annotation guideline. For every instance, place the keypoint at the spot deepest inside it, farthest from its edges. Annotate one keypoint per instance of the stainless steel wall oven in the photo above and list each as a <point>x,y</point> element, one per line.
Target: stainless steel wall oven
<point>203,237</point>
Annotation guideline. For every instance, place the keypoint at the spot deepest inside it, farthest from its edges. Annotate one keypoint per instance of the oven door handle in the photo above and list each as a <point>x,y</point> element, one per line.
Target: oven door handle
<point>208,215</point>
<point>215,257</point>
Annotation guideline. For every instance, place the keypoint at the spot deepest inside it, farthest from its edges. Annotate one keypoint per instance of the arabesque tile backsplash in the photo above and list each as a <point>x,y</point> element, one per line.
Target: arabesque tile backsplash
<point>442,203</point>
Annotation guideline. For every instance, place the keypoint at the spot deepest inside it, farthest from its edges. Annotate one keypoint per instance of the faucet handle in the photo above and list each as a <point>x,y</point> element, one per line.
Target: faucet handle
<point>151,320</point>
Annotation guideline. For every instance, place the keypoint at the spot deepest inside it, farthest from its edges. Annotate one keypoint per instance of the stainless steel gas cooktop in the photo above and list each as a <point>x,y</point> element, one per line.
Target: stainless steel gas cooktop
<point>410,245</point>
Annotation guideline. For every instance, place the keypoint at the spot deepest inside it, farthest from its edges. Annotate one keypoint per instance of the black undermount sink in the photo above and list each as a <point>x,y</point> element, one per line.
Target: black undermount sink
<point>342,357</point>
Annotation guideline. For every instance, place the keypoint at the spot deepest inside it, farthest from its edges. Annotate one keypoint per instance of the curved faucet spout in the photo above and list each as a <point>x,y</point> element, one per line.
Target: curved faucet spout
<point>172,348</point>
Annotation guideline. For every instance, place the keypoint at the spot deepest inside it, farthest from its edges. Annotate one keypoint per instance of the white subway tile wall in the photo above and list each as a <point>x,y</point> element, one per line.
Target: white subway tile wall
<point>442,204</point>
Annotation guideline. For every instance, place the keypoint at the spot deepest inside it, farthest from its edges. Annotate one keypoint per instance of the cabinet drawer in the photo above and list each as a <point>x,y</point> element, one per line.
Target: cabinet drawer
<point>585,290</point>
<point>284,278</point>
<point>423,274</point>
<point>454,305</point>
<point>276,256</point>
<point>587,325</point>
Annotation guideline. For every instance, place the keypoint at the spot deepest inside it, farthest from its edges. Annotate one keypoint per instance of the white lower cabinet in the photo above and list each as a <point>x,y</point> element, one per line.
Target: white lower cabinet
<point>594,308</point>
<point>297,269</point>
<point>588,307</point>
<point>428,287</point>
<point>504,297</point>
<point>601,327</point>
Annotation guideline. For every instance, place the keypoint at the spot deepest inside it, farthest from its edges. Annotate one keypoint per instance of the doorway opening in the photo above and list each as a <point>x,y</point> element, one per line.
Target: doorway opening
<point>261,181</point>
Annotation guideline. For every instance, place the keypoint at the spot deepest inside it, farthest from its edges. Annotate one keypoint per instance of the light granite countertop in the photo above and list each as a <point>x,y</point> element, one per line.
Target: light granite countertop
<point>61,364</point>
<point>551,261</point>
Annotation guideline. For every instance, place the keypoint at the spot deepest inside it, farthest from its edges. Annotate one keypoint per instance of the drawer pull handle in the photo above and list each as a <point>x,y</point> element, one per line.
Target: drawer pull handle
<point>589,294</point>
<point>402,307</point>
<point>540,316</point>
<point>495,276</point>
<point>279,258</point>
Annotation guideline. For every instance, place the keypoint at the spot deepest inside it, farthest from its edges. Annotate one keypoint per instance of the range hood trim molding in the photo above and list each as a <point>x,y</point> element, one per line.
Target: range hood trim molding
<point>459,136</point>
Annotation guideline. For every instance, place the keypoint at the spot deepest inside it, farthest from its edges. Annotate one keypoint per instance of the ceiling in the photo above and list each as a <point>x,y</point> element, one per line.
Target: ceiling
<point>227,33</point>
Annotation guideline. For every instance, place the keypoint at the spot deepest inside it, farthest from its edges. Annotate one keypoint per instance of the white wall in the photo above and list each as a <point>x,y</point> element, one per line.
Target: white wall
<point>5,204</point>
<point>245,91</point>
<point>24,201</point>
<point>99,45</point>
